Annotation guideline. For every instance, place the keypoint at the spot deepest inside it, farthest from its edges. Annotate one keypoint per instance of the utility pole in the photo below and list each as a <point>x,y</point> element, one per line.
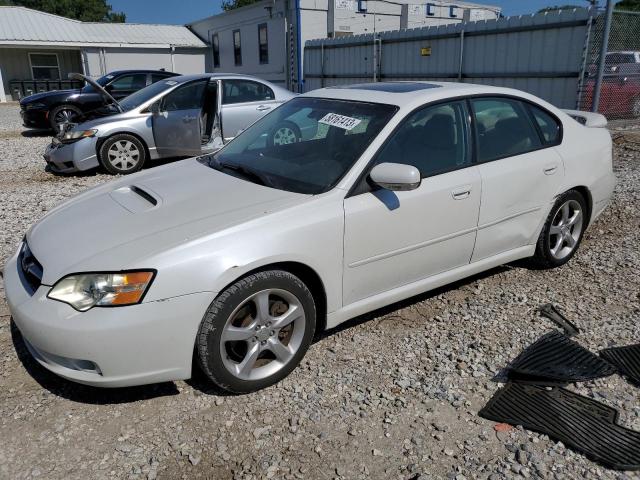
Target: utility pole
<point>603,55</point>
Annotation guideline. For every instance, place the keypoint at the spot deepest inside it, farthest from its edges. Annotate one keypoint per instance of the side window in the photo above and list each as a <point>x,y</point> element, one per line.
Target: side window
<point>129,82</point>
<point>237,48</point>
<point>215,46</point>
<point>504,128</point>
<point>434,140</point>
<point>240,91</point>
<point>549,126</point>
<point>187,97</point>
<point>156,77</point>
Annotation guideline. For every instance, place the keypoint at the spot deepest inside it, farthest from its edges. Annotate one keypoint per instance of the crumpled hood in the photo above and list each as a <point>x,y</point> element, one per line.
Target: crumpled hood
<point>117,225</point>
<point>39,96</point>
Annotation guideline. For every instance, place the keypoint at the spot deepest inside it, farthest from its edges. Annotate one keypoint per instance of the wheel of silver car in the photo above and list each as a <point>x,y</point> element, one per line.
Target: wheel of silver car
<point>256,331</point>
<point>284,134</point>
<point>64,114</point>
<point>563,230</point>
<point>122,154</point>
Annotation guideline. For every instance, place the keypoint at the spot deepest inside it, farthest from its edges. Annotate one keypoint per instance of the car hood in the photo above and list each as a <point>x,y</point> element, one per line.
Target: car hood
<point>117,225</point>
<point>47,95</point>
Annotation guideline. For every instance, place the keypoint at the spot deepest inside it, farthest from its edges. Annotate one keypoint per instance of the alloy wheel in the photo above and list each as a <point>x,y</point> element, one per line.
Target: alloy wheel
<point>65,116</point>
<point>262,334</point>
<point>123,155</point>
<point>565,229</point>
<point>284,136</point>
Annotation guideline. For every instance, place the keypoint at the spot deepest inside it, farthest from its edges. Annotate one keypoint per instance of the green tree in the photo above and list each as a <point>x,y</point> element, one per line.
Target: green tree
<point>233,4</point>
<point>85,10</point>
<point>633,5</point>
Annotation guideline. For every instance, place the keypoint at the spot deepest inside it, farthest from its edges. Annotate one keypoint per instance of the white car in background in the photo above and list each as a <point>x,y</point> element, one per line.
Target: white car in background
<point>241,256</point>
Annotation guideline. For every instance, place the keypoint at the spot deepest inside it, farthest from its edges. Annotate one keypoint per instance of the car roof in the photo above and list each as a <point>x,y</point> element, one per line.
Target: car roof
<point>198,76</point>
<point>408,93</point>
<point>120,72</point>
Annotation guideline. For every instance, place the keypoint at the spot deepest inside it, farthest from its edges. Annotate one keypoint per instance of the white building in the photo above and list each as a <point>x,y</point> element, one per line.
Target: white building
<point>263,39</point>
<point>38,50</point>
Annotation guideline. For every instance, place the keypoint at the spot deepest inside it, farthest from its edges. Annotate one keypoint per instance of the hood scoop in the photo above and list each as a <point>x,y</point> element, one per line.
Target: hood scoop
<point>136,198</point>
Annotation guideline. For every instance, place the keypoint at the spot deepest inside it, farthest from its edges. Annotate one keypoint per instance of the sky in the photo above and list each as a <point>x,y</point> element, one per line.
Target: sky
<point>185,11</point>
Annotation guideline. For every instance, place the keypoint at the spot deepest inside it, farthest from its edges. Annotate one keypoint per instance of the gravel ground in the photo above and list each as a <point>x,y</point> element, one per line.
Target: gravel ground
<point>392,395</point>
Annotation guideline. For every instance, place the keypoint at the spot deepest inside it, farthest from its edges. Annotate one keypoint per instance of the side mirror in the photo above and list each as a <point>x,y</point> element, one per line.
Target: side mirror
<point>155,108</point>
<point>396,176</point>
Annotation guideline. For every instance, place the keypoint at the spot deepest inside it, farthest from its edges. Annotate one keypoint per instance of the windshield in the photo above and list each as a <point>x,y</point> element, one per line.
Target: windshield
<point>304,146</point>
<point>147,93</point>
<point>102,81</point>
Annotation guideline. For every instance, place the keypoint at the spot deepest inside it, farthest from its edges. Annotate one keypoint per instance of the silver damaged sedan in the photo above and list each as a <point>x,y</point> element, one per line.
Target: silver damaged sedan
<point>178,117</point>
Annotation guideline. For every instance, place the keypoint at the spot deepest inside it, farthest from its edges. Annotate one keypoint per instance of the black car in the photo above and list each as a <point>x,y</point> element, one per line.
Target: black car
<point>50,109</point>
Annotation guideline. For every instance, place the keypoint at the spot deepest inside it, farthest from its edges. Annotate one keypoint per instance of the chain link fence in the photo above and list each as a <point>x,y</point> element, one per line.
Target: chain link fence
<point>619,97</point>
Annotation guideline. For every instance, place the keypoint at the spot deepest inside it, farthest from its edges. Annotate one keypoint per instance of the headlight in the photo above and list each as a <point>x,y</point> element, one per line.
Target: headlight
<point>86,290</point>
<point>35,106</point>
<point>75,135</point>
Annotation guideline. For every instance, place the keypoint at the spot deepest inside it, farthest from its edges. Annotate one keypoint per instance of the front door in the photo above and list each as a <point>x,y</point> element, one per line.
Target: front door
<point>244,102</point>
<point>395,238</point>
<point>520,169</point>
<point>177,121</point>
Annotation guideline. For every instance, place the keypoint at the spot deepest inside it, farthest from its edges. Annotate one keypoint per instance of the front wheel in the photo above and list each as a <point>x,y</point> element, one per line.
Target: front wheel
<point>64,114</point>
<point>563,231</point>
<point>122,154</point>
<point>256,331</point>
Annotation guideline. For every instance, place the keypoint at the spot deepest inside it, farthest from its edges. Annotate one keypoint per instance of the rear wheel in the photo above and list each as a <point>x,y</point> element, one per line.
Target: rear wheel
<point>63,114</point>
<point>563,231</point>
<point>284,134</point>
<point>122,154</point>
<point>256,331</point>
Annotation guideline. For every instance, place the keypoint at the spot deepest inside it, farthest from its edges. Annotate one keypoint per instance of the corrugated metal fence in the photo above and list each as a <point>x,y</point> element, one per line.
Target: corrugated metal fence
<point>543,54</point>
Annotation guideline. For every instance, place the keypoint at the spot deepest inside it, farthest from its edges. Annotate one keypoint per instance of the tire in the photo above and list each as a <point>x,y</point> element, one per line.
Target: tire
<point>635,107</point>
<point>563,230</point>
<point>64,114</point>
<point>122,154</point>
<point>284,133</point>
<point>239,348</point>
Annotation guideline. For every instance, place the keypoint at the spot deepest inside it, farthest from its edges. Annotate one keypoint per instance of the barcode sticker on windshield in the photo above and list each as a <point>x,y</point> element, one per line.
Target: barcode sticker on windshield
<point>340,121</point>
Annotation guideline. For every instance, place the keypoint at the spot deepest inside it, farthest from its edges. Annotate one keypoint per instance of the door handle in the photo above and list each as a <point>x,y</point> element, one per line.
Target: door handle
<point>187,119</point>
<point>262,108</point>
<point>550,170</point>
<point>461,193</point>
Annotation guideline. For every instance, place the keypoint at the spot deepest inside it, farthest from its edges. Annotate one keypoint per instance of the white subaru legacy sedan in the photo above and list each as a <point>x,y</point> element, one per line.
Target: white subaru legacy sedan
<point>233,261</point>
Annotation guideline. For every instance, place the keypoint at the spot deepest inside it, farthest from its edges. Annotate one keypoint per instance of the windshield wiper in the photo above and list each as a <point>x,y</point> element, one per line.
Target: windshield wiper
<point>247,172</point>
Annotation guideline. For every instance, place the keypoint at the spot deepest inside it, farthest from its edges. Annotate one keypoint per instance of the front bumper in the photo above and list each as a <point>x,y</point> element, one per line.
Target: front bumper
<point>107,347</point>
<point>72,157</point>
<point>35,118</point>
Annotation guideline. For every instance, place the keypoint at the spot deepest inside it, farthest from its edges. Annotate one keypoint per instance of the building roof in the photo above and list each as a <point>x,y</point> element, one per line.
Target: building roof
<point>23,26</point>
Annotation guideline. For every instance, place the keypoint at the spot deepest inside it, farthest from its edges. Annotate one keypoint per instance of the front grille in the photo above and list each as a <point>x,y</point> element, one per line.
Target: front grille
<point>30,268</point>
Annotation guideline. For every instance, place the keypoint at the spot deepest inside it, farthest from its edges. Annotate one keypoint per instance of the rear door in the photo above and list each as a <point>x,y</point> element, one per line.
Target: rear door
<point>176,120</point>
<point>243,102</point>
<point>520,170</point>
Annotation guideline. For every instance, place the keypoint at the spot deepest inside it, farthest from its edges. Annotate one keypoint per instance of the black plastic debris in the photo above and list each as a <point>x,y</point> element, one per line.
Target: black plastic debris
<point>626,359</point>
<point>551,312</point>
<point>556,358</point>
<point>581,423</point>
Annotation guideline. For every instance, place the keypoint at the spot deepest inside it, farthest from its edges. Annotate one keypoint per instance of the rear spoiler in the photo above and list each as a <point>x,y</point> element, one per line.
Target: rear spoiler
<point>588,119</point>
